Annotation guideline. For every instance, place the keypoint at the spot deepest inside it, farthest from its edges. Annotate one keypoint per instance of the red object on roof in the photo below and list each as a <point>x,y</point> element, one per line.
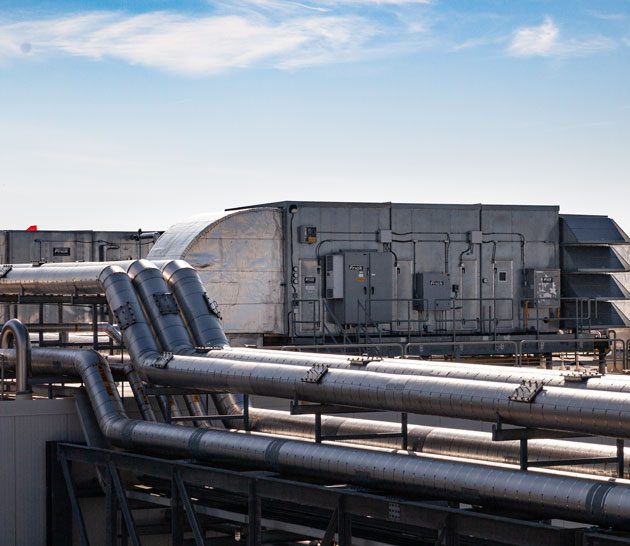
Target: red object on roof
<point>31,228</point>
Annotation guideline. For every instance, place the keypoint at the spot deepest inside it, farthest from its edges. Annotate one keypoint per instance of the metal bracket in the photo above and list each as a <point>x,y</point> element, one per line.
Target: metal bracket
<point>4,270</point>
<point>166,303</point>
<point>125,316</point>
<point>579,377</point>
<point>213,306</point>
<point>207,349</point>
<point>315,373</point>
<point>161,361</point>
<point>527,391</point>
<point>364,359</point>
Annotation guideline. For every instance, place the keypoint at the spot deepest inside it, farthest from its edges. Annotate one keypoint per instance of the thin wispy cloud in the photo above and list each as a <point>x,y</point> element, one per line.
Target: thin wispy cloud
<point>545,40</point>
<point>279,34</point>
<point>234,34</point>
<point>191,45</point>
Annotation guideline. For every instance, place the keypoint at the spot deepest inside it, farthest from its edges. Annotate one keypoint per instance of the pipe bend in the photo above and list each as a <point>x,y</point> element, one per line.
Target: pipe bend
<point>14,330</point>
<point>136,267</point>
<point>171,267</point>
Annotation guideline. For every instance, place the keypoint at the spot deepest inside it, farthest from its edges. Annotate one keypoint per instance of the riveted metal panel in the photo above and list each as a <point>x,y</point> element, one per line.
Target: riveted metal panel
<point>239,258</point>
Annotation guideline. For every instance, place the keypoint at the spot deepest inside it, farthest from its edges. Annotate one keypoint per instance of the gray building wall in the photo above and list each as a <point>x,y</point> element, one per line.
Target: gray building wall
<point>25,427</point>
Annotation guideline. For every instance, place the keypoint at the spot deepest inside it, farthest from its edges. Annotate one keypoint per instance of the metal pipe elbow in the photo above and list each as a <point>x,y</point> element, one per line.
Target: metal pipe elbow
<point>14,330</point>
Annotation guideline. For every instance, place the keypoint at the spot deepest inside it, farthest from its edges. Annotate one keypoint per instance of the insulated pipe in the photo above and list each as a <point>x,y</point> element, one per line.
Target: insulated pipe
<point>446,442</point>
<point>162,309</point>
<point>14,330</point>
<point>606,503</point>
<point>584,411</point>
<point>201,319</point>
<point>481,372</point>
<point>139,394</point>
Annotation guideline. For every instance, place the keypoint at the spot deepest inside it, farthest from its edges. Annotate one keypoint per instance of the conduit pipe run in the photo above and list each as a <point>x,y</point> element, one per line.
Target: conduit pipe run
<point>606,503</point>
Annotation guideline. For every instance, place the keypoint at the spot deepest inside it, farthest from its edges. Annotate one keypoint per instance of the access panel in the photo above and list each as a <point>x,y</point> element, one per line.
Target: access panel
<point>367,287</point>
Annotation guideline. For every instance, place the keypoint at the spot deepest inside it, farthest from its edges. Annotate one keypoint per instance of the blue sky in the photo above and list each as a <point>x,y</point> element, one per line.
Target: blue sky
<point>138,114</point>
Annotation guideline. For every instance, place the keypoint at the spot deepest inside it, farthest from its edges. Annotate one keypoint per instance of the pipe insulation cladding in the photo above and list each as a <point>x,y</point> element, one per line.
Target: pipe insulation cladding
<point>575,410</point>
<point>606,503</point>
<point>547,495</point>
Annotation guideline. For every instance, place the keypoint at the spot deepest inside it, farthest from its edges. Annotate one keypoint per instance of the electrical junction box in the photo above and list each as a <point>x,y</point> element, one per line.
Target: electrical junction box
<point>475,237</point>
<point>542,287</point>
<point>385,236</point>
<point>433,292</point>
<point>307,235</point>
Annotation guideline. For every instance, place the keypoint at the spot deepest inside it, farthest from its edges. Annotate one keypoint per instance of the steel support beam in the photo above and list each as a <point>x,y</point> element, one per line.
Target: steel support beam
<point>74,501</point>
<point>188,508</point>
<point>356,507</point>
<point>254,514</point>
<point>121,497</point>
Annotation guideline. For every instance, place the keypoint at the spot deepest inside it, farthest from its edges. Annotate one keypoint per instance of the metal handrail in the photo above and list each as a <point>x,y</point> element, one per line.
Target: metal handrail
<point>541,344</point>
<point>501,343</point>
<point>319,346</point>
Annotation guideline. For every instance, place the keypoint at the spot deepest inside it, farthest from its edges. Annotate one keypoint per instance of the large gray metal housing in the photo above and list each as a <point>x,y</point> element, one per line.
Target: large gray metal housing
<point>47,246</point>
<point>312,271</point>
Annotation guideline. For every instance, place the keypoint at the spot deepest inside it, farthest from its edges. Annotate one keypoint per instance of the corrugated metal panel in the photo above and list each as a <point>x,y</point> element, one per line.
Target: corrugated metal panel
<point>30,464</point>
<point>25,427</point>
<point>7,479</point>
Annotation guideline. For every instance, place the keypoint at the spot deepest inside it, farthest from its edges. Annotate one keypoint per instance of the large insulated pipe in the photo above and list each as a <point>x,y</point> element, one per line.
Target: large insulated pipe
<point>79,278</point>
<point>590,412</point>
<point>461,444</point>
<point>200,314</point>
<point>481,372</point>
<point>434,440</point>
<point>14,331</point>
<point>605,503</point>
<point>163,311</point>
<point>584,411</point>
<point>203,322</point>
